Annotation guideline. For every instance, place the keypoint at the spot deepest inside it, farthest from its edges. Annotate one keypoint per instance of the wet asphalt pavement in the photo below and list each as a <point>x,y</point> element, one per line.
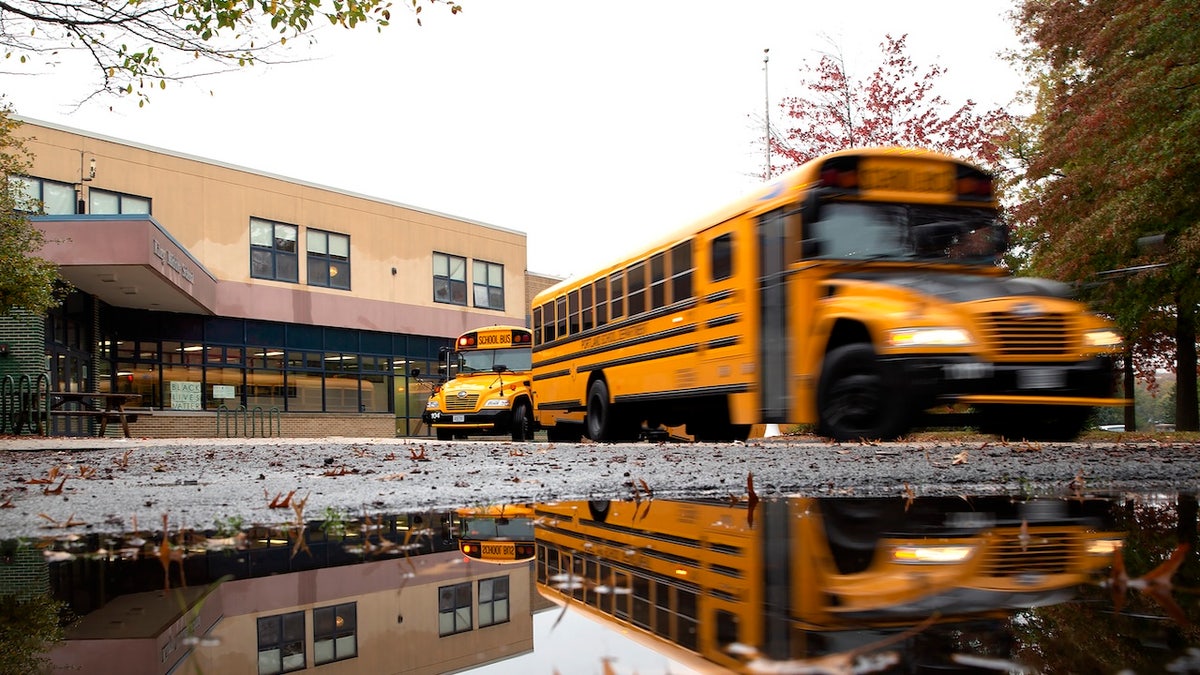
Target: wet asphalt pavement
<point>56,486</point>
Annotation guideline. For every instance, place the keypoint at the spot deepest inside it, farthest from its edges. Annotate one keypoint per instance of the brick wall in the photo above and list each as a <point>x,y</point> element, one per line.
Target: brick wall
<point>24,572</point>
<point>179,424</point>
<point>25,335</point>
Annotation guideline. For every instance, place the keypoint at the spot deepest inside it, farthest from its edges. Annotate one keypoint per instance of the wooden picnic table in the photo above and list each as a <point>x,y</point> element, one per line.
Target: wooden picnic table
<point>104,406</point>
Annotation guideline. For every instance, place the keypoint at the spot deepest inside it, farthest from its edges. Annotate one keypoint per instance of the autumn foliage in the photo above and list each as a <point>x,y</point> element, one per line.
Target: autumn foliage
<point>897,105</point>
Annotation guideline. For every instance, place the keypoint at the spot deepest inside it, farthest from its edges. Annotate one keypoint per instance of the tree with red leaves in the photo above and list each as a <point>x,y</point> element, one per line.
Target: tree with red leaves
<point>1112,154</point>
<point>896,106</point>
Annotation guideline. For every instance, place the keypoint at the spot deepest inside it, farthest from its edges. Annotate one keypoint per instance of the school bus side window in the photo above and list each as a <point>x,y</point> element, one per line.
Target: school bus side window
<point>573,311</point>
<point>560,312</point>
<point>601,302</point>
<point>681,272</point>
<point>721,252</point>
<point>658,281</point>
<point>539,325</point>
<point>636,277</point>
<point>586,298</point>
<point>616,285</point>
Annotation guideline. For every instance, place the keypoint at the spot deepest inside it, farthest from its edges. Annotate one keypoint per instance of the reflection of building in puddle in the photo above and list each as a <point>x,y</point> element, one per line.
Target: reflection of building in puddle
<point>272,606</point>
<point>796,582</point>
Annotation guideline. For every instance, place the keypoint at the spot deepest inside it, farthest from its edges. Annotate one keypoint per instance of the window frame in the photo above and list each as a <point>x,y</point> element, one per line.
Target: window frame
<point>274,251</point>
<point>324,261</point>
<point>449,279</point>
<point>283,640</point>
<point>122,197</point>
<point>454,608</point>
<point>496,600</point>
<point>33,184</point>
<point>335,635</point>
<point>492,293</point>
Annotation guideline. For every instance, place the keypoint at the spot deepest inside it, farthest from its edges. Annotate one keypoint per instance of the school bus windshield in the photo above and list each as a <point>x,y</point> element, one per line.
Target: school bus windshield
<point>907,232</point>
<point>487,360</point>
<point>515,528</point>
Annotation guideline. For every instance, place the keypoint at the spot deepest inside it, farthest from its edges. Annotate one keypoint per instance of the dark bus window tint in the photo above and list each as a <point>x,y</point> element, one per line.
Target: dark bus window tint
<point>722,257</point>
<point>573,312</point>
<point>601,302</point>
<point>538,326</point>
<point>585,297</point>
<point>658,281</point>
<point>560,313</point>
<point>635,277</point>
<point>616,287</point>
<point>681,272</point>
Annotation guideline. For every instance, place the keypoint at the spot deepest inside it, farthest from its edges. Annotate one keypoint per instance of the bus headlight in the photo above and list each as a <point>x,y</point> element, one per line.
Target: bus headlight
<point>931,554</point>
<point>496,403</point>
<point>1104,547</point>
<point>928,337</point>
<point>431,404</point>
<point>1104,338</point>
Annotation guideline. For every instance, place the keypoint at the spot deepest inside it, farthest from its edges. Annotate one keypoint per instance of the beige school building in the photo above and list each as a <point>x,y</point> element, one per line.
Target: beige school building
<point>227,296</point>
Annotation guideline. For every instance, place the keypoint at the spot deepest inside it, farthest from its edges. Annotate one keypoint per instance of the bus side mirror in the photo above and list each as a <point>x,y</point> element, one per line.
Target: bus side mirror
<point>500,368</point>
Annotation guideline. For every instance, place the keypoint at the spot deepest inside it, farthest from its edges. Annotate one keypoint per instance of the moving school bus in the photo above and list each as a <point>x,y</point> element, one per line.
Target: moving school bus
<point>748,588</point>
<point>488,387</point>
<point>854,294</point>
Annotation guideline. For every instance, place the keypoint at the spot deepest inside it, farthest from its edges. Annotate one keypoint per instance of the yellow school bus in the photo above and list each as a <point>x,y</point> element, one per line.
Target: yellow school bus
<point>750,587</point>
<point>495,534</point>
<point>855,294</point>
<point>487,390</point>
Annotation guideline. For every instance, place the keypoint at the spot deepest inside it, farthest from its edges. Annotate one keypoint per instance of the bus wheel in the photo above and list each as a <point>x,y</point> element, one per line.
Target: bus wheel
<point>522,421</point>
<point>853,402</point>
<point>603,419</point>
<point>445,434</point>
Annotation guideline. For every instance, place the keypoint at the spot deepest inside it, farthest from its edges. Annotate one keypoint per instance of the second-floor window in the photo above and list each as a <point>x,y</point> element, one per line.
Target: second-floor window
<point>489,285</point>
<point>56,199</point>
<point>105,202</point>
<point>449,279</point>
<point>273,251</point>
<point>328,259</point>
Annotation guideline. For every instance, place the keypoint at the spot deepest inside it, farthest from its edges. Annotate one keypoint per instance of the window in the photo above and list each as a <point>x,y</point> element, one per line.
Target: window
<point>493,601</point>
<point>105,202</point>
<point>586,299</point>
<point>449,279</point>
<point>658,281</point>
<point>335,633</point>
<point>616,284</point>
<point>636,279</point>
<point>681,272</point>
<point>573,312</point>
<point>328,257</point>
<point>56,199</point>
<point>273,251</point>
<point>454,609</point>
<point>489,285</point>
<point>281,643</point>
<point>601,302</point>
<point>722,257</point>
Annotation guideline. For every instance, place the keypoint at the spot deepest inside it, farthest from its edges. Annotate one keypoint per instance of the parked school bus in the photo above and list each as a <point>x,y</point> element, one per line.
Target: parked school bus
<point>487,390</point>
<point>753,588</point>
<point>853,294</point>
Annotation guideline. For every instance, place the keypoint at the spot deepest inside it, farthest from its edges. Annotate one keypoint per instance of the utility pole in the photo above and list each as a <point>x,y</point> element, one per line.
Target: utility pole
<point>766,115</point>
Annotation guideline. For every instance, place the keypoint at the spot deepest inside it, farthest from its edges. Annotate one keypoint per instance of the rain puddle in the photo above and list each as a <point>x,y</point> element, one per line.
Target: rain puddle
<point>800,585</point>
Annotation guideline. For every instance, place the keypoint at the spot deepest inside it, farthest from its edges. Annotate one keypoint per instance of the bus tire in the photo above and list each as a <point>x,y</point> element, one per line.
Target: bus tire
<point>445,434</point>
<point>603,419</point>
<point>522,421</point>
<point>854,401</point>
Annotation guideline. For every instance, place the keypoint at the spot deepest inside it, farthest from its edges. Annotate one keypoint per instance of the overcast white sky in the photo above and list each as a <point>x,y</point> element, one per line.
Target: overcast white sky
<point>591,126</point>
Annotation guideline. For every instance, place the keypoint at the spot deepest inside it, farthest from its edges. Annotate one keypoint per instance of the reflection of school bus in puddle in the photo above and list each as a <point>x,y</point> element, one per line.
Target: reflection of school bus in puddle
<point>803,578</point>
<point>498,534</point>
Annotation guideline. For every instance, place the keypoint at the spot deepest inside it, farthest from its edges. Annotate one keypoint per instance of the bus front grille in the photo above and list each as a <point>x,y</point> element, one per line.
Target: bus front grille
<point>1010,553</point>
<point>466,403</point>
<point>1019,336</point>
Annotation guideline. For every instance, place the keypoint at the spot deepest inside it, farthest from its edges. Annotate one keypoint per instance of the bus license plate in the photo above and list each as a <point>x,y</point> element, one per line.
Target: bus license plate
<point>1041,378</point>
<point>460,418</point>
<point>495,551</point>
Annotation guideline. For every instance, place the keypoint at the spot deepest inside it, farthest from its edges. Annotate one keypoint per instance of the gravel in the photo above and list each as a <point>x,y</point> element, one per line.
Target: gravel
<point>55,486</point>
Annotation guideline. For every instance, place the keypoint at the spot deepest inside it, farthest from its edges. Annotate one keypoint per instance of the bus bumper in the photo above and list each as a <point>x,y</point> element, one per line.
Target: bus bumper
<point>962,379</point>
<point>498,420</point>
